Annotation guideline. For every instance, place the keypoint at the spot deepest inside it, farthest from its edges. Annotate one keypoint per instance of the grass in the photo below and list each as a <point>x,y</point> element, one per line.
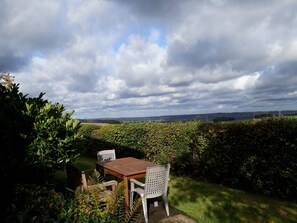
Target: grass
<point>211,203</point>
<point>207,202</point>
<point>85,163</point>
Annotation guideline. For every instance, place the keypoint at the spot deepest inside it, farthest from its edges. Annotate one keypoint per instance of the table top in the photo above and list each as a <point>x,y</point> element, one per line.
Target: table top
<point>127,166</point>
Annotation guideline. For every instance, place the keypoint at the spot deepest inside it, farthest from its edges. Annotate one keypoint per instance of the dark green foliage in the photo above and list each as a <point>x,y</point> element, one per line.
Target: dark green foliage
<point>170,142</point>
<point>127,139</point>
<point>51,138</point>
<point>13,148</point>
<point>124,135</point>
<point>89,144</point>
<point>35,203</point>
<point>73,176</point>
<point>100,121</point>
<point>87,129</point>
<point>265,115</point>
<point>36,138</point>
<point>257,155</point>
<point>12,124</point>
<point>223,119</point>
<point>155,141</point>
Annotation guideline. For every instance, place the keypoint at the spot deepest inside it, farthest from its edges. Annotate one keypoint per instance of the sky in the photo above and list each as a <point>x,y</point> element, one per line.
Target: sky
<point>138,58</point>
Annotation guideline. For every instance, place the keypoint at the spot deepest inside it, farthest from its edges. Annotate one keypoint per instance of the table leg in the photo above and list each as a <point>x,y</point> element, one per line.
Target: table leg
<point>126,182</point>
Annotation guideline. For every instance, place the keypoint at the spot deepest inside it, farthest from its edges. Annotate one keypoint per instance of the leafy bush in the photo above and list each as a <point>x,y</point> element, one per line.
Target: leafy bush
<point>170,142</point>
<point>35,133</point>
<point>89,144</point>
<point>13,148</point>
<point>35,203</point>
<point>256,155</point>
<point>155,141</point>
<point>51,138</point>
<point>37,138</point>
<point>126,138</point>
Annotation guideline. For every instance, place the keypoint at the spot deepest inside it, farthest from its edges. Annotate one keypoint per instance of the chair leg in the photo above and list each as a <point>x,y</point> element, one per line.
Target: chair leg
<point>166,205</point>
<point>131,199</point>
<point>144,206</point>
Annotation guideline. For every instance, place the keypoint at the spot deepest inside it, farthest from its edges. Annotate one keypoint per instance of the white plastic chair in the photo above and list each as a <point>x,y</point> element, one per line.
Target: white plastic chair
<point>105,155</point>
<point>156,185</point>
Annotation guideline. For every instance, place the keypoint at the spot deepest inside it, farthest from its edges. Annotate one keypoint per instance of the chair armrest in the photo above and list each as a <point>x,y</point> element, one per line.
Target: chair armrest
<point>112,183</point>
<point>137,182</point>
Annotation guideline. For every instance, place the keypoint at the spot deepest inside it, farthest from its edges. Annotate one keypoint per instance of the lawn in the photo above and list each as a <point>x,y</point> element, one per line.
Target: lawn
<point>84,163</point>
<point>209,203</point>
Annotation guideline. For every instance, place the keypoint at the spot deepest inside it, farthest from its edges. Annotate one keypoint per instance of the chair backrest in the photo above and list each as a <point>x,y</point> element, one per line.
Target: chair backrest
<point>105,155</point>
<point>85,177</point>
<point>156,180</point>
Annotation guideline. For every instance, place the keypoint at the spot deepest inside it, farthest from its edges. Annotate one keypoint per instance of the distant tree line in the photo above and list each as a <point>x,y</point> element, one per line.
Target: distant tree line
<point>107,121</point>
<point>223,119</point>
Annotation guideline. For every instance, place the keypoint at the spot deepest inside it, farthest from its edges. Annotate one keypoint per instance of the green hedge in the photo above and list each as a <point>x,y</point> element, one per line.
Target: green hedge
<point>258,156</point>
<point>88,144</point>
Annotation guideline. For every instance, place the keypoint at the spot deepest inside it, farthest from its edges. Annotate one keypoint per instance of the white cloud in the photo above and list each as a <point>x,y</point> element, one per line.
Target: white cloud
<point>140,61</point>
<point>139,58</point>
<point>245,82</point>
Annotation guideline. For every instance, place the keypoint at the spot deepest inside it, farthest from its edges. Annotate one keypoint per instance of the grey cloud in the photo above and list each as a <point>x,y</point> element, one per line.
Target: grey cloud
<point>280,76</point>
<point>237,39</point>
<point>207,53</point>
<point>12,63</point>
<point>153,8</point>
<point>104,58</point>
<point>276,87</point>
<point>278,84</point>
<point>81,83</point>
<point>138,93</point>
<point>179,84</point>
<point>27,27</point>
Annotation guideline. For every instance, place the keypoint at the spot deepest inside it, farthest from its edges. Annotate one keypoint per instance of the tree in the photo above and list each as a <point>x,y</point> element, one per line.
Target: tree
<point>51,138</point>
<point>223,119</point>
<point>12,124</point>
<point>36,137</point>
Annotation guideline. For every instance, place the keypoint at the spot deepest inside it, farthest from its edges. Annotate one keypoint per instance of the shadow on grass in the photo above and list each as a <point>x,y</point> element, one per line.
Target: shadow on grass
<point>214,203</point>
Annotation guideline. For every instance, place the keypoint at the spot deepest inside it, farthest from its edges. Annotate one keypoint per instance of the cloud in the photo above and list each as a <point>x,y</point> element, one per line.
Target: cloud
<point>111,58</point>
<point>27,27</point>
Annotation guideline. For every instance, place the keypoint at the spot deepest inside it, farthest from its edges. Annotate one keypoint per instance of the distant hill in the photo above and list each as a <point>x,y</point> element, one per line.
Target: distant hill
<point>193,117</point>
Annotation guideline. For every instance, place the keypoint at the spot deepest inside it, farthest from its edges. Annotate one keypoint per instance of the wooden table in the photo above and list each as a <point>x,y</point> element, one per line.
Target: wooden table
<point>125,169</point>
